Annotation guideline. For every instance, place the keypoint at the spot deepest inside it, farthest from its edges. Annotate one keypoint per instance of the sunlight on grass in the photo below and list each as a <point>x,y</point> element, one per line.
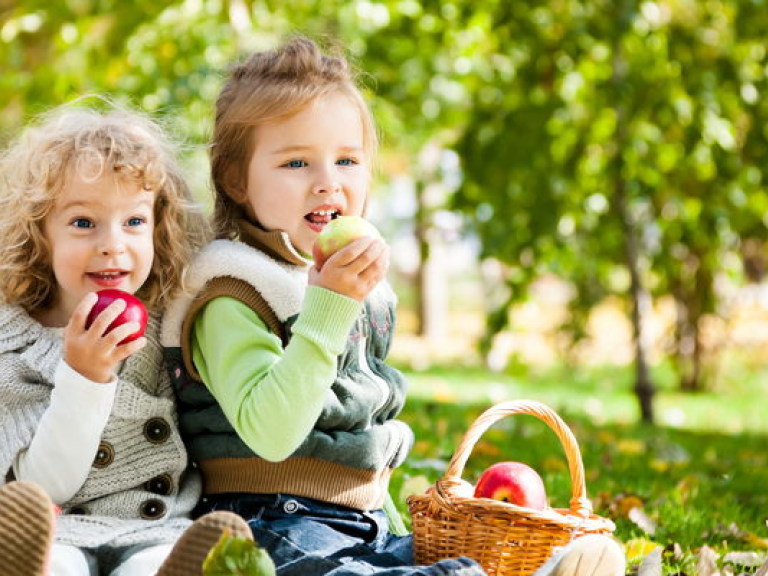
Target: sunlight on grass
<point>696,478</point>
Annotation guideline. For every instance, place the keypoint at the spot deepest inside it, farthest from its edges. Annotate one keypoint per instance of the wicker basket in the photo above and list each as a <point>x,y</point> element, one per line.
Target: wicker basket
<point>507,540</point>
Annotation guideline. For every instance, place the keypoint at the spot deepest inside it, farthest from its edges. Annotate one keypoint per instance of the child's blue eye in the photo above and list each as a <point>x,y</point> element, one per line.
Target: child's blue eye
<point>346,162</point>
<point>82,223</point>
<point>295,164</point>
<point>136,221</point>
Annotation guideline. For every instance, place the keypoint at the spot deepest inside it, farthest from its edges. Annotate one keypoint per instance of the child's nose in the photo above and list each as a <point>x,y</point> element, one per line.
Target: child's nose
<point>326,182</point>
<point>111,243</point>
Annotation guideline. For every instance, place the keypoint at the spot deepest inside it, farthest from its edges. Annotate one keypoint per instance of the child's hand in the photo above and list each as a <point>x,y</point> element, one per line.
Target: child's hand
<point>354,270</point>
<point>92,353</point>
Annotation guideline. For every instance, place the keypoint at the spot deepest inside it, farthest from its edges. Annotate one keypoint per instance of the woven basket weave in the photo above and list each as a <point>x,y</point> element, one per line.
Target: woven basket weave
<point>507,540</point>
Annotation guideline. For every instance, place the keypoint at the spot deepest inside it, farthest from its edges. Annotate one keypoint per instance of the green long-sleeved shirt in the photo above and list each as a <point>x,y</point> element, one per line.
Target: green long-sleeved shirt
<point>272,395</point>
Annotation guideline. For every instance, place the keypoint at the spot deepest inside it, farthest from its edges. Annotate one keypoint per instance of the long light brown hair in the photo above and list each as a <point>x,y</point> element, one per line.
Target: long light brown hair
<point>271,86</point>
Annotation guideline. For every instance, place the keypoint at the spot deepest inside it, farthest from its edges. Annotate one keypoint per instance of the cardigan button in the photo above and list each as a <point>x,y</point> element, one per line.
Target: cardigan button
<point>157,430</point>
<point>105,455</point>
<point>162,484</point>
<point>152,509</point>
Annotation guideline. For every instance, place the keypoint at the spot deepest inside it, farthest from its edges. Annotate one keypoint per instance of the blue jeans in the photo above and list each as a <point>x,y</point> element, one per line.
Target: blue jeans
<point>305,537</point>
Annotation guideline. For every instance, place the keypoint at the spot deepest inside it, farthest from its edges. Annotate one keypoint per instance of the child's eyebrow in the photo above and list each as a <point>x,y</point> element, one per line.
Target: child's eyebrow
<point>75,204</point>
<point>82,204</point>
<point>293,149</point>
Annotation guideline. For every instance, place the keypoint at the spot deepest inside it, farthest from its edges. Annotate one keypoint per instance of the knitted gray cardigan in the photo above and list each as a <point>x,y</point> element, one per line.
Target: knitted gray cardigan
<point>139,490</point>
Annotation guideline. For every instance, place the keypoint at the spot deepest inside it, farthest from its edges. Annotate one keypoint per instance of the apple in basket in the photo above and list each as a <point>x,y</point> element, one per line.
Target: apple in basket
<point>338,233</point>
<point>512,482</point>
<point>134,312</point>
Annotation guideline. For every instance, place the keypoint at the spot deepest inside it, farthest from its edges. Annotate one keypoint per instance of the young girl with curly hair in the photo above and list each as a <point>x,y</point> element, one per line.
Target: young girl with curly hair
<point>93,200</point>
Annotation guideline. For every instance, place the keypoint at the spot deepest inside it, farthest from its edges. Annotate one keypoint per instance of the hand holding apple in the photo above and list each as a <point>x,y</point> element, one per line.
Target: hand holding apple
<point>134,312</point>
<point>338,233</point>
<point>512,482</point>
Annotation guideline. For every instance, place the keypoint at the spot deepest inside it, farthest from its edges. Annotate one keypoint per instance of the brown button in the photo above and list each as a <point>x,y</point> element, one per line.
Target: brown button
<point>160,484</point>
<point>152,509</point>
<point>157,430</point>
<point>105,455</point>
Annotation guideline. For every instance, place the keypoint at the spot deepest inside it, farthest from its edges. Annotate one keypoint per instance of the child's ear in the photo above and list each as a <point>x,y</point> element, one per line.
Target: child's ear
<point>235,187</point>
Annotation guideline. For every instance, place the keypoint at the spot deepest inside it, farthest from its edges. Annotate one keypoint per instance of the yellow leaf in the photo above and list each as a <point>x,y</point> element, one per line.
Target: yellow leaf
<point>421,447</point>
<point>631,447</point>
<point>483,448</point>
<point>624,504</point>
<point>554,464</point>
<point>688,487</point>
<point>639,547</point>
<point>444,394</point>
<point>606,437</point>
<point>756,541</point>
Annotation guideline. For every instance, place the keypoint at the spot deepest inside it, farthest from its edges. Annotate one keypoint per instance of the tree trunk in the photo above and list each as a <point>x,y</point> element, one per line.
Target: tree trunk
<point>690,304</point>
<point>640,298</point>
<point>431,291</point>
<point>641,307</point>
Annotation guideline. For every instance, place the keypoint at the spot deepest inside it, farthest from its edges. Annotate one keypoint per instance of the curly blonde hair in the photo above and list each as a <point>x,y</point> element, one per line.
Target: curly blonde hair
<point>75,139</point>
<point>268,87</point>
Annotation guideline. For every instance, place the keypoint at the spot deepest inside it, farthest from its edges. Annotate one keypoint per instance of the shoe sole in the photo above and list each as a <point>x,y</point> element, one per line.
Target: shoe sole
<point>26,529</point>
<point>591,555</point>
<point>187,556</point>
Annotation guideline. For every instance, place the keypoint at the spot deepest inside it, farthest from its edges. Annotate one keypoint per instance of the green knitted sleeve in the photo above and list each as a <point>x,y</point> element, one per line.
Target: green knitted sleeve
<point>272,395</point>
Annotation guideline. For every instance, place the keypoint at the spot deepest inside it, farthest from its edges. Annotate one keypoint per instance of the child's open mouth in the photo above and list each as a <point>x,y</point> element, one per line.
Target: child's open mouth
<point>319,218</point>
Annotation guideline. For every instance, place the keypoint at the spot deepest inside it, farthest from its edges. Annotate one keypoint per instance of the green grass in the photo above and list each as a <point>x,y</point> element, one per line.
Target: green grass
<point>700,474</point>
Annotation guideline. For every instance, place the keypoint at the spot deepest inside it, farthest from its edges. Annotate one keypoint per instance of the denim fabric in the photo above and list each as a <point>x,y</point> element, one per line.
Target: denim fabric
<point>310,538</point>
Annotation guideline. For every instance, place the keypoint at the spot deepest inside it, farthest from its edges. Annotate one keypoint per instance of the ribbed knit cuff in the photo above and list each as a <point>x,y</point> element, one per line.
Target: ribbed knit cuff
<point>327,317</point>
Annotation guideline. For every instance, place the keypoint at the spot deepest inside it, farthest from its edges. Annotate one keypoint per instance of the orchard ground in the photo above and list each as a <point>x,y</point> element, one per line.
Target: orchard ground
<point>692,487</point>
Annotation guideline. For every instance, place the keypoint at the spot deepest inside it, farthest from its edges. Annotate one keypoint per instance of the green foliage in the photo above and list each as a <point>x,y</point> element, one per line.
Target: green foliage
<point>579,123</point>
<point>595,104</point>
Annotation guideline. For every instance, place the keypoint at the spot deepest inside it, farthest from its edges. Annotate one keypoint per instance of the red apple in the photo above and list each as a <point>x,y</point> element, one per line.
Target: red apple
<point>338,233</point>
<point>512,482</point>
<point>134,312</point>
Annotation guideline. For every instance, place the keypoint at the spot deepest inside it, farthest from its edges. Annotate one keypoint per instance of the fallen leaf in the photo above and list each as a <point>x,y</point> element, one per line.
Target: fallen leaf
<point>483,448</point>
<point>707,562</point>
<point>642,520</point>
<point>651,564</point>
<point>631,447</point>
<point>554,464</point>
<point>639,547</point>
<point>688,487</point>
<point>763,570</point>
<point>624,503</point>
<point>747,559</point>
<point>755,541</point>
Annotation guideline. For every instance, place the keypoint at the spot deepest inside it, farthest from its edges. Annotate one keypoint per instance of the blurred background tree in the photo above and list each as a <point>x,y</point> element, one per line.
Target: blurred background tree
<point>616,145</point>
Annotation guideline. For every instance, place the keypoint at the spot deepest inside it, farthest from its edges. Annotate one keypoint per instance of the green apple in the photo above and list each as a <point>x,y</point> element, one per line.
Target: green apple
<point>235,556</point>
<point>338,233</point>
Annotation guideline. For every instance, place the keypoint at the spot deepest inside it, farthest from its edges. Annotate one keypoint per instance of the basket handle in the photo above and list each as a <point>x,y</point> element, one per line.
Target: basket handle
<point>579,504</point>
